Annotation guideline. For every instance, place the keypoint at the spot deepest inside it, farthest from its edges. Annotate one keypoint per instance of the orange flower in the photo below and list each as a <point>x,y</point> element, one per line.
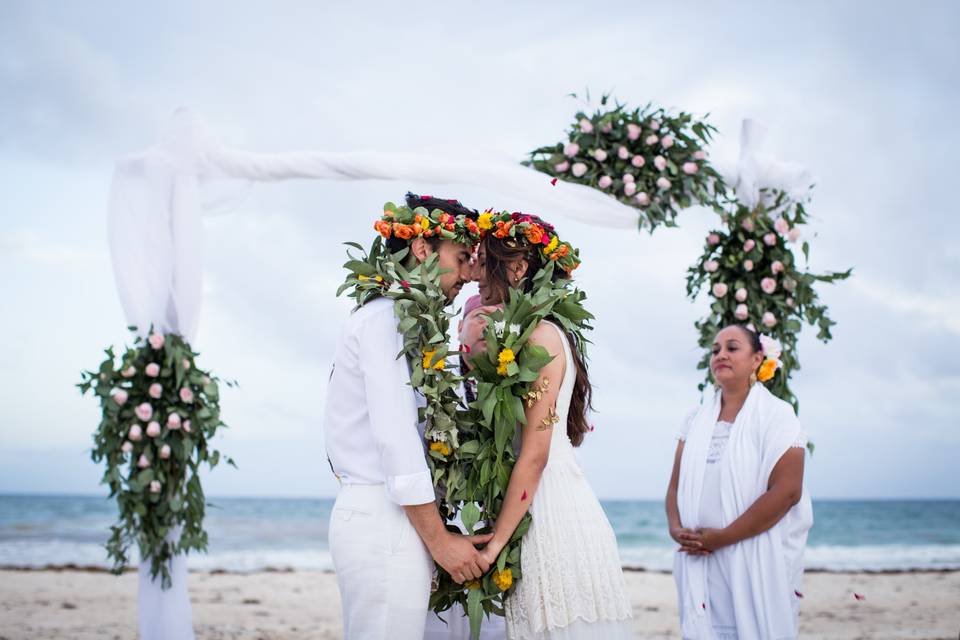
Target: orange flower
<point>383,228</point>
<point>534,234</point>
<point>402,231</point>
<point>767,370</point>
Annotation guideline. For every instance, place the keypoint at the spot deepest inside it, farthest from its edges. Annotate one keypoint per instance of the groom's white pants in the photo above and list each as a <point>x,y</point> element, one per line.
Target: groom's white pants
<point>383,568</point>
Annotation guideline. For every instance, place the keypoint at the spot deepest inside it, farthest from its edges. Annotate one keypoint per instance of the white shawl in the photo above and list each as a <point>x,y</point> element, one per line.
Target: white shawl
<point>765,570</point>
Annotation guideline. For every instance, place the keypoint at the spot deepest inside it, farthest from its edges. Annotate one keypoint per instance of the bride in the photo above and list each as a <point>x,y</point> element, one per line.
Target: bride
<point>572,584</point>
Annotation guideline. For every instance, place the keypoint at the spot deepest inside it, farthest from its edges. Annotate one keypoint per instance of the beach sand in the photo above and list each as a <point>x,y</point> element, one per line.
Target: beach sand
<point>82,605</point>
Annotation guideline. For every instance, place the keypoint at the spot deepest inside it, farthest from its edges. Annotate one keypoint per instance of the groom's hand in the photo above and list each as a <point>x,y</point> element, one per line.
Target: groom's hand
<point>459,557</point>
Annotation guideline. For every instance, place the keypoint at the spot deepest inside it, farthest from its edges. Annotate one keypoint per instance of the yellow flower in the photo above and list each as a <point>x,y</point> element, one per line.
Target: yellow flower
<point>553,245</point>
<point>506,356</point>
<point>424,223</point>
<point>767,370</point>
<point>428,358</point>
<point>502,370</point>
<point>473,584</point>
<point>363,278</point>
<point>440,364</point>
<point>485,221</point>
<point>503,579</point>
<point>378,278</point>
<point>440,447</point>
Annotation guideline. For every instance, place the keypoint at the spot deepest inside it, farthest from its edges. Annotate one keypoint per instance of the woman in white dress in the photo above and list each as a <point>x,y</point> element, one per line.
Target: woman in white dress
<point>572,585</point>
<point>736,503</point>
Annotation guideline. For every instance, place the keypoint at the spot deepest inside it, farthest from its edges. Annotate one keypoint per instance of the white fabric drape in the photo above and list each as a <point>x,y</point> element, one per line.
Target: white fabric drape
<point>756,170</point>
<point>765,570</point>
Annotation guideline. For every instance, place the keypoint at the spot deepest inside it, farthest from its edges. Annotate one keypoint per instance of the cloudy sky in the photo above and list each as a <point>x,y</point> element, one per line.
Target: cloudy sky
<point>860,93</point>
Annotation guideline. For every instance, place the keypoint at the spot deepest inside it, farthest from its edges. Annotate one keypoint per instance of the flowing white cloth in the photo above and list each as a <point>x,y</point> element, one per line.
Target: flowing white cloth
<point>572,586</point>
<point>159,194</point>
<point>764,571</point>
<point>756,170</point>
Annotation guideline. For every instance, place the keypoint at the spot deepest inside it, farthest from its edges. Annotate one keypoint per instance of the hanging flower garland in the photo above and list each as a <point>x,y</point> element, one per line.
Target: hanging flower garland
<point>647,158</point>
<point>160,413</point>
<point>752,275</point>
<point>505,373</point>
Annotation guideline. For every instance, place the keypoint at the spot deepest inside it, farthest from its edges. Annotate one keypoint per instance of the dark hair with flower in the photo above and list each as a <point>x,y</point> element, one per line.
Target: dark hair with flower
<point>159,414</point>
<point>530,231</point>
<point>646,158</point>
<point>427,217</point>
<point>752,276</point>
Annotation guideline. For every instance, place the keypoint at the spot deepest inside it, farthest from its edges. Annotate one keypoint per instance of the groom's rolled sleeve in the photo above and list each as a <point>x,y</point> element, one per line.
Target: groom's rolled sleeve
<point>392,409</point>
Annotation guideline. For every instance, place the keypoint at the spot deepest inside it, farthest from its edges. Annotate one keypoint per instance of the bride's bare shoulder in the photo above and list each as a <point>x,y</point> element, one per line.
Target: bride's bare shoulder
<point>547,335</point>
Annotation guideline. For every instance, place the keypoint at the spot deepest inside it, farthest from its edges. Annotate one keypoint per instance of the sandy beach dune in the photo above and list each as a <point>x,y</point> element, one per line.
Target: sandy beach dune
<point>82,605</point>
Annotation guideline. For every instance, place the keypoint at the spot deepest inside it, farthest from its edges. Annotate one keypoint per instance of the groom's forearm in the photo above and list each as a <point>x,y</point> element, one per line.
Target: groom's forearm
<point>425,518</point>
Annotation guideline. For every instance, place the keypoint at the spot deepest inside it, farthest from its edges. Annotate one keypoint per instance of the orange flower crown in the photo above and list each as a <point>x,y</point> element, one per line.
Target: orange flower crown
<point>530,231</point>
<point>406,224</point>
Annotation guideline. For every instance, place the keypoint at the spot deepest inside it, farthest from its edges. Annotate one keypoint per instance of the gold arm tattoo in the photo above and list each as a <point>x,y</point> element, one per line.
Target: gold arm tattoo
<point>534,395</point>
<point>551,419</point>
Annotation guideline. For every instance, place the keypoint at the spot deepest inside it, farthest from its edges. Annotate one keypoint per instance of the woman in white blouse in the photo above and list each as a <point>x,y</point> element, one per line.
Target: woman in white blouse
<point>736,503</point>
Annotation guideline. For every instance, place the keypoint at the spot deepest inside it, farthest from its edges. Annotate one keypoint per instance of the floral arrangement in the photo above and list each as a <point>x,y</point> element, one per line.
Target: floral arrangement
<point>751,273</point>
<point>646,158</point>
<point>505,374</point>
<point>520,228</point>
<point>407,224</point>
<point>160,413</point>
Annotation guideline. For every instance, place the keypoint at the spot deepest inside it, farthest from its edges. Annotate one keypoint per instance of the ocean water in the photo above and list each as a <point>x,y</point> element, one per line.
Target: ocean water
<point>255,533</point>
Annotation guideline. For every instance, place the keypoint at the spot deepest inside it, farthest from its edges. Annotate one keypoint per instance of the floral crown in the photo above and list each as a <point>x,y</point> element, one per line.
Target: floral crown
<point>407,223</point>
<point>519,229</point>
<point>771,358</point>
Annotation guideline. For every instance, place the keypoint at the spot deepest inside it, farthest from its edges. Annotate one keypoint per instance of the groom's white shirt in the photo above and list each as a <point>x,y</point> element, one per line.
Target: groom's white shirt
<point>370,427</point>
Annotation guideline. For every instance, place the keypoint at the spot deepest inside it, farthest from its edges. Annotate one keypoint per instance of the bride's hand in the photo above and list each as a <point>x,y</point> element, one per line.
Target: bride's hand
<point>491,551</point>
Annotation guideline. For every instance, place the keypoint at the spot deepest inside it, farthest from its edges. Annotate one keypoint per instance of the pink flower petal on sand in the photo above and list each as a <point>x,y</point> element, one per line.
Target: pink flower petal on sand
<point>798,594</point>
<point>554,182</point>
<point>859,596</point>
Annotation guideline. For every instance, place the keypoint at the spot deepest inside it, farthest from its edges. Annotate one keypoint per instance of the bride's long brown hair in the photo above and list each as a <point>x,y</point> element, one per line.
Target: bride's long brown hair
<point>498,255</point>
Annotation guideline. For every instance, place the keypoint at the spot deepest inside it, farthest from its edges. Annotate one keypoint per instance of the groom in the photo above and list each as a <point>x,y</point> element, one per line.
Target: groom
<point>385,529</point>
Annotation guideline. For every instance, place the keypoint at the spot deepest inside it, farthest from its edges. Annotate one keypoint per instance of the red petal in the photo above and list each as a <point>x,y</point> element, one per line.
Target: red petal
<point>799,595</point>
<point>592,427</point>
<point>554,182</point>
<point>859,596</point>
<point>524,496</point>
<point>703,604</point>
<point>466,348</point>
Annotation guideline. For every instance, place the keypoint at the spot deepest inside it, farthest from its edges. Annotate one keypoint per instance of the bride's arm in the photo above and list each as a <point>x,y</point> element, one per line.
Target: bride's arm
<point>535,444</point>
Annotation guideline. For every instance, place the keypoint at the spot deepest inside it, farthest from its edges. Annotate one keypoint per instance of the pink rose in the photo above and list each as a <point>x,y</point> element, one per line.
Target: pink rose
<point>790,302</point>
<point>186,395</point>
<point>571,149</point>
<point>748,265</point>
<point>622,153</point>
<point>776,267</point>
<point>769,320</point>
<point>144,411</point>
<point>652,139</point>
<point>633,131</point>
<point>770,239</point>
<point>165,452</point>
<point>781,225</point>
<point>604,182</point>
<point>690,168</point>
<point>156,340</point>
<point>741,294</point>
<point>789,284</point>
<point>749,245</point>
<point>126,447</point>
<point>129,372</point>
<point>629,188</point>
<point>600,155</point>
<point>663,183</point>
<point>135,433</point>
<point>155,390</point>
<point>700,155</point>
<point>719,290</point>
<point>579,169</point>
<point>741,313</point>
<point>143,462</point>
<point>173,421</point>
<point>637,161</point>
<point>153,429</point>
<point>186,426</point>
<point>642,198</point>
<point>747,224</point>
<point>660,163</point>
<point>769,285</point>
<point>628,177</point>
<point>120,397</point>
<point>666,142</point>
<point>154,486</point>
<point>710,266</point>
<point>793,235</point>
<point>713,239</point>
<point>607,128</point>
<point>560,167</point>
<point>186,363</point>
<point>585,125</point>
<point>654,125</point>
<point>152,370</point>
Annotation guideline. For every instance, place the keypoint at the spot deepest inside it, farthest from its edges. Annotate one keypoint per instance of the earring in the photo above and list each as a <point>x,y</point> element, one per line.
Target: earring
<point>753,378</point>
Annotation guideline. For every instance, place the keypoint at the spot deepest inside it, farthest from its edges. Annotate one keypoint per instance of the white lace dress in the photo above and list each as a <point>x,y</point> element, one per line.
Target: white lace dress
<point>572,585</point>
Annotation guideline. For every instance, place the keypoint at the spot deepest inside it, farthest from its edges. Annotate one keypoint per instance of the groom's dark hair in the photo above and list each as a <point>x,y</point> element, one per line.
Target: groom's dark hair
<point>453,207</point>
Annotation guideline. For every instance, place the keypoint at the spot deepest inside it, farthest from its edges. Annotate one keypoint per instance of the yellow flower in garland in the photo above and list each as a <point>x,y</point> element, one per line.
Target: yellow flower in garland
<point>473,584</point>
<point>440,447</point>
<point>506,357</point>
<point>767,370</point>
<point>440,364</point>
<point>485,221</point>
<point>547,250</point>
<point>503,579</point>
<point>428,358</point>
